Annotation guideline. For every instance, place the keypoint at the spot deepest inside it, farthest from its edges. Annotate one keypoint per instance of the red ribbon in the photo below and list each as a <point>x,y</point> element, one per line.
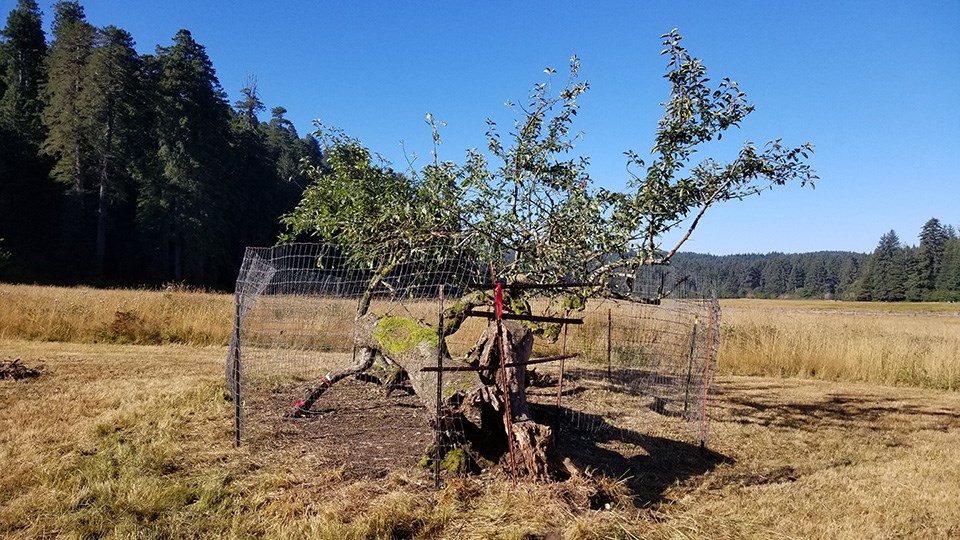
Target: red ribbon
<point>499,300</point>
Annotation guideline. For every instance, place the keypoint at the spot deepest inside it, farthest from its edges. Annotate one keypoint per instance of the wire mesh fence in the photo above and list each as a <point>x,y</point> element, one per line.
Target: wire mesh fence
<point>302,381</point>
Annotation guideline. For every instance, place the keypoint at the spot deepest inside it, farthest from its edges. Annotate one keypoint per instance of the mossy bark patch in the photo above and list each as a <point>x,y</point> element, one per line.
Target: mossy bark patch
<point>399,335</point>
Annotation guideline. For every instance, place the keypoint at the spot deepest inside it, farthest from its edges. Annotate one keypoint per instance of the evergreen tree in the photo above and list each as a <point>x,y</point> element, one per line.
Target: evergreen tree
<point>63,116</point>
<point>933,244</point>
<point>110,100</point>
<point>182,211</point>
<point>948,281</point>
<point>28,200</point>
<point>818,282</point>
<point>847,274</point>
<point>913,290</point>
<point>798,278</point>
<point>776,277</point>
<point>253,177</point>
<point>21,55</point>
<point>885,275</point>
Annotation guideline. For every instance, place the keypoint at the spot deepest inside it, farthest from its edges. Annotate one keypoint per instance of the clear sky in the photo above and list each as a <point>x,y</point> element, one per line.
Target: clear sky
<point>874,84</point>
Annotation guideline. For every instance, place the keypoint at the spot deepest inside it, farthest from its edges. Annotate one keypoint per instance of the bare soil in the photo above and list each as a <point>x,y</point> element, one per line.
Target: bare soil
<point>358,428</point>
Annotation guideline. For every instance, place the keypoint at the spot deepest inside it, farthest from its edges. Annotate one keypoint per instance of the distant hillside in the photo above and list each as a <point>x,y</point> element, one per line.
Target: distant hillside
<point>823,274</point>
<point>894,271</point>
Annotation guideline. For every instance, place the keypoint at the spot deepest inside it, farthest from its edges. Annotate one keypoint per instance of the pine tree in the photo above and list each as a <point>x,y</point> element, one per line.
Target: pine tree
<point>183,208</point>
<point>948,281</point>
<point>887,270</point>
<point>933,243</point>
<point>110,100</point>
<point>776,276</point>
<point>65,120</point>
<point>847,273</point>
<point>21,55</point>
<point>27,199</point>
<point>253,177</point>
<point>913,289</point>
<point>818,281</point>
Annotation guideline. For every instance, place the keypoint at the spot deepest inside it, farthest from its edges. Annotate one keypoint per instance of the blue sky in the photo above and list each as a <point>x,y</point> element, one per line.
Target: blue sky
<point>875,85</point>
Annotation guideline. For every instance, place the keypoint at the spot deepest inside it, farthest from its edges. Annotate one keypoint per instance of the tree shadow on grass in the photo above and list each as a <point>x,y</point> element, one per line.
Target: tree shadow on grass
<point>647,464</point>
<point>840,410</point>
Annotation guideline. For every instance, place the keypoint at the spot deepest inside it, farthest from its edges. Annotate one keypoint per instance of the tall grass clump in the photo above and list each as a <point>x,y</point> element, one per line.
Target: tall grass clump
<point>126,316</point>
<point>918,349</point>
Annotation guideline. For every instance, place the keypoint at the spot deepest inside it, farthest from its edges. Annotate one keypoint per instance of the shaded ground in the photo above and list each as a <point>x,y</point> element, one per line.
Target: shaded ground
<point>364,433</point>
<point>357,428</point>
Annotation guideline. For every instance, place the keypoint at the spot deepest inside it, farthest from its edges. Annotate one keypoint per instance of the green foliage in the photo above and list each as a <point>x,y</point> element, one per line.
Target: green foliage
<point>885,276</point>
<point>930,255</point>
<point>367,208</point>
<point>673,187</point>
<point>184,206</point>
<point>21,56</point>
<point>528,204</point>
<point>145,175</point>
<point>66,122</point>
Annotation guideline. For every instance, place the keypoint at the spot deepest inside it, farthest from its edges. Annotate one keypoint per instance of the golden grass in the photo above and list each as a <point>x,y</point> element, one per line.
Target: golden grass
<point>87,315</point>
<point>915,344</point>
<point>890,347</point>
<point>118,441</point>
<point>838,306</point>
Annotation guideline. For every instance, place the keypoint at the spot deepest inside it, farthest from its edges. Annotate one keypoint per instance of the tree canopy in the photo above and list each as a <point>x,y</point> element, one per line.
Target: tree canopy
<point>528,203</point>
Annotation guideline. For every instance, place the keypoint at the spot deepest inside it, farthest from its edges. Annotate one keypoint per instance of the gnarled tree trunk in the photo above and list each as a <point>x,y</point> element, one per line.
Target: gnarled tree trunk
<point>472,401</point>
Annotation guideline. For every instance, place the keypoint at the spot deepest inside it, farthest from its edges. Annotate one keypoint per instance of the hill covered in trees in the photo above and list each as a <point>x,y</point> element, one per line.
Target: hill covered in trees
<point>125,168</point>
<point>929,271</point>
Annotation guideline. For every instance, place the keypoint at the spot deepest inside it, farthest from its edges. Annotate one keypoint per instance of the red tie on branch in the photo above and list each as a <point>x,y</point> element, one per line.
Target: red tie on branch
<point>499,300</point>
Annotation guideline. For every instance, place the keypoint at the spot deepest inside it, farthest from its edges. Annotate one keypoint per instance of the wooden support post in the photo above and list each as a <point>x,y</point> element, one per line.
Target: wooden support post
<point>563,351</point>
<point>505,387</point>
<point>706,375</point>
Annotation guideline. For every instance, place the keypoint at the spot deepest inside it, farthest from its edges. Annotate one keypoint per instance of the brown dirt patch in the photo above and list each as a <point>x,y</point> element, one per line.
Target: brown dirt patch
<point>358,429</point>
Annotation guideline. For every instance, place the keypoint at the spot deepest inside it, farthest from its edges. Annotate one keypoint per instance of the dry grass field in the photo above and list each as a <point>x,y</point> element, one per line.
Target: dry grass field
<point>134,441</point>
<point>843,341</point>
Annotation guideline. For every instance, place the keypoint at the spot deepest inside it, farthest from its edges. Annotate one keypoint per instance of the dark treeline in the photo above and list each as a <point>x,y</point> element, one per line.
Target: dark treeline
<point>824,274</point>
<point>929,271</point>
<point>121,168</point>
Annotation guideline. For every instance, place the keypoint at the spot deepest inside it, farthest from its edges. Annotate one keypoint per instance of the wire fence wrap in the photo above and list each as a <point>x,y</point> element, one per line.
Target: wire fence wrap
<point>296,324</point>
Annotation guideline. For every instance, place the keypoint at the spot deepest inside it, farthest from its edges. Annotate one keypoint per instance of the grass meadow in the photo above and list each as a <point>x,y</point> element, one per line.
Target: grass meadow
<point>831,420</point>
